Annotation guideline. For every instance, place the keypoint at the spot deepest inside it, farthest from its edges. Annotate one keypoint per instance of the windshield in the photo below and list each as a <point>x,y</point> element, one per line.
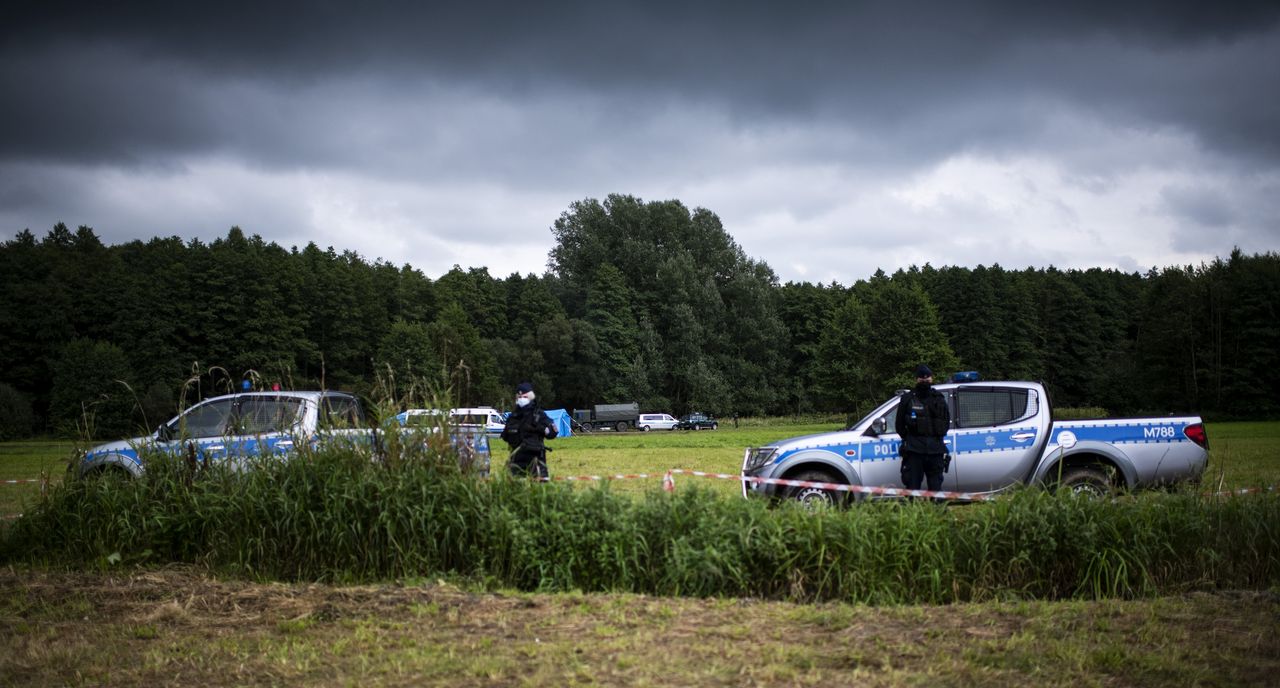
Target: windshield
<point>885,409</point>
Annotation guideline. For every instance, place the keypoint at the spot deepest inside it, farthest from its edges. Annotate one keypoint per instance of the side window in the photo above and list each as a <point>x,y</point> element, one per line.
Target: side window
<point>205,420</point>
<point>344,412</point>
<point>262,415</point>
<point>977,408</point>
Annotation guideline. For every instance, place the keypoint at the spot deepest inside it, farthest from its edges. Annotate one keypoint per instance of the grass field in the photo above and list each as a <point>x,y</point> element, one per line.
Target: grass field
<point>1241,455</point>
<point>170,626</point>
<point>26,461</point>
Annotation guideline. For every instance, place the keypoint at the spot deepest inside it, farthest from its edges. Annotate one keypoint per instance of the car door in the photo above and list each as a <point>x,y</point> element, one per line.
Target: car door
<point>879,464</point>
<point>263,426</point>
<point>202,428</point>
<point>997,433</point>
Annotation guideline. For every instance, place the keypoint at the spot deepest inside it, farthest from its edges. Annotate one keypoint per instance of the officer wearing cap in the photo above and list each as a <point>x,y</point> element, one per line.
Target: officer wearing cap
<point>922,421</point>
<point>526,431</point>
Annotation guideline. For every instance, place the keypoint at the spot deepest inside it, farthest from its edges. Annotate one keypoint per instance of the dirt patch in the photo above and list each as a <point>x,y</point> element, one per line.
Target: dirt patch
<point>181,627</point>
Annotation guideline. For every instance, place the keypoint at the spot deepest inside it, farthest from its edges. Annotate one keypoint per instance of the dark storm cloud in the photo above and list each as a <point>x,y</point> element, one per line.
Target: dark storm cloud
<point>886,132</point>
<point>107,81</point>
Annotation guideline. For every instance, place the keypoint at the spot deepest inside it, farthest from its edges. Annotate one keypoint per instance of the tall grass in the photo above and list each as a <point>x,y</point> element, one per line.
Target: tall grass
<point>339,515</point>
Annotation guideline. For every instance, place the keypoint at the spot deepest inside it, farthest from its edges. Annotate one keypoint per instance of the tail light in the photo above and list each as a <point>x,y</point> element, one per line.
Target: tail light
<point>1196,433</point>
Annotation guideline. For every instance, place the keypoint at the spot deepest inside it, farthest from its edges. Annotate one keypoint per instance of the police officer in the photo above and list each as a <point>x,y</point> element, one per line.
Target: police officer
<point>923,420</point>
<point>526,431</point>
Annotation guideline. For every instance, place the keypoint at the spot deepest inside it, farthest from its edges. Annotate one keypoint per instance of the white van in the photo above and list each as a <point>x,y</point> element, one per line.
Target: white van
<point>656,421</point>
<point>492,421</point>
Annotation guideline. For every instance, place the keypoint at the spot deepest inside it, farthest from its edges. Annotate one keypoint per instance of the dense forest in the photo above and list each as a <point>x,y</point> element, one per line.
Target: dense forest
<point>641,301</point>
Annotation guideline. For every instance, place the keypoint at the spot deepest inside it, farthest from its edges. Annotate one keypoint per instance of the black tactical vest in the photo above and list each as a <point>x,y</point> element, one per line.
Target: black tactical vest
<point>927,417</point>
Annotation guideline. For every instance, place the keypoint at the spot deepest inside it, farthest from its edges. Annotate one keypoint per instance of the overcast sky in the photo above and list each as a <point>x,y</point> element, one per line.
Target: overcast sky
<point>831,139</point>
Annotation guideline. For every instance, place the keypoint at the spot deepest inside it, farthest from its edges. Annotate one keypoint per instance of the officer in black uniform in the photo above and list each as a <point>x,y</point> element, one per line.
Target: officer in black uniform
<point>526,431</point>
<point>923,420</point>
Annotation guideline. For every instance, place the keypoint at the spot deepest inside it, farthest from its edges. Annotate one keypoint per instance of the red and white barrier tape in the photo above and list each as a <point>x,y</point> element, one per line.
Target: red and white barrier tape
<point>669,485</point>
<point>588,478</point>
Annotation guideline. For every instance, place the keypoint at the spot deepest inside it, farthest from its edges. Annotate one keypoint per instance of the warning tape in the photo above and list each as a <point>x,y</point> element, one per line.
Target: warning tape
<point>669,485</point>
<point>584,478</point>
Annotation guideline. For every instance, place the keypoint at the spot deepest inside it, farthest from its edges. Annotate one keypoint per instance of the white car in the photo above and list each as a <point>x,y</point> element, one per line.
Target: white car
<point>656,421</point>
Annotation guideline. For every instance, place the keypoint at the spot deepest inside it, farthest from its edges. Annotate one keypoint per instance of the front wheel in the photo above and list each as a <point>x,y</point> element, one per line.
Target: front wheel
<point>812,497</point>
<point>715,426</point>
<point>111,472</point>
<point>1086,481</point>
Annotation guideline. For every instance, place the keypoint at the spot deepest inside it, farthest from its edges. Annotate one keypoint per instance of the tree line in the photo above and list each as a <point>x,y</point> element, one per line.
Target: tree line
<point>642,301</point>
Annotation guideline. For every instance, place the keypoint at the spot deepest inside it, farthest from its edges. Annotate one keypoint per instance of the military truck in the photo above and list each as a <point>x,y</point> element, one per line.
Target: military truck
<point>618,417</point>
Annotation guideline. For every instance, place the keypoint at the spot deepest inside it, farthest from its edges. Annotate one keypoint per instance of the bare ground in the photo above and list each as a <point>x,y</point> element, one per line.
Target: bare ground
<point>184,627</point>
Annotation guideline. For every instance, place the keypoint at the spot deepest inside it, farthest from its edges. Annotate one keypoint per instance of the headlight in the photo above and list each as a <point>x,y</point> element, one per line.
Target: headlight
<point>757,457</point>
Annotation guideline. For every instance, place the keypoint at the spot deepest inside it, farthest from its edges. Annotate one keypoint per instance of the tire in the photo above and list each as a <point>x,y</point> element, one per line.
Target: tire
<point>621,426</point>
<point>109,472</point>
<point>715,426</point>
<point>813,497</point>
<point>644,428</point>
<point>1087,481</point>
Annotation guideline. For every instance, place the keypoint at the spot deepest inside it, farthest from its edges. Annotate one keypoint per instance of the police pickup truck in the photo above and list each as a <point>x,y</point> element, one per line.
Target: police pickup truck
<point>1002,435</point>
<point>236,427</point>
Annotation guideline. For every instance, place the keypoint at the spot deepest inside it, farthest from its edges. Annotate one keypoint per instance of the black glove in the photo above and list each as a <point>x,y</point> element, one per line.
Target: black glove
<point>946,462</point>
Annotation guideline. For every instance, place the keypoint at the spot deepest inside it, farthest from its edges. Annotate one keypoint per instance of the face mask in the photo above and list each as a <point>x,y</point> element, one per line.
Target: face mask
<point>923,386</point>
<point>524,401</point>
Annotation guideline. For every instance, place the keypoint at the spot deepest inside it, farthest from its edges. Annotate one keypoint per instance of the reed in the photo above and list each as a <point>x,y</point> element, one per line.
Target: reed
<point>348,515</point>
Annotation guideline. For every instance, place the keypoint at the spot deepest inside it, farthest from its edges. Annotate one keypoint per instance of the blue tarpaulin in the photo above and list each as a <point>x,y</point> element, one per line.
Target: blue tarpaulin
<point>561,418</point>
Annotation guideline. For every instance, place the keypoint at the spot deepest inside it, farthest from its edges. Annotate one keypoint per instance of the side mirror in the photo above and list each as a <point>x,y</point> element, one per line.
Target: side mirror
<point>163,433</point>
<point>879,426</point>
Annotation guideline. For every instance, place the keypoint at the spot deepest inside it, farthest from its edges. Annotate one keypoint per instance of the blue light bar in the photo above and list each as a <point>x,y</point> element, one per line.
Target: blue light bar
<point>966,376</point>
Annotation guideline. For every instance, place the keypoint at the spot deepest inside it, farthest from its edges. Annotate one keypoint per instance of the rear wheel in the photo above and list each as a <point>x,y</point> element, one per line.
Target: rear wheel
<point>815,496</point>
<point>621,426</point>
<point>644,428</point>
<point>715,426</point>
<point>1086,481</point>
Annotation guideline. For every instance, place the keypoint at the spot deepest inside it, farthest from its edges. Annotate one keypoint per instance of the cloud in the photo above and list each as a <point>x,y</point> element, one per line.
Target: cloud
<point>832,139</point>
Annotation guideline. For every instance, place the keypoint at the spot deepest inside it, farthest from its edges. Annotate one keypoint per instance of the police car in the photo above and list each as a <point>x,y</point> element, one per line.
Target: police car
<point>235,427</point>
<point>1002,435</point>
